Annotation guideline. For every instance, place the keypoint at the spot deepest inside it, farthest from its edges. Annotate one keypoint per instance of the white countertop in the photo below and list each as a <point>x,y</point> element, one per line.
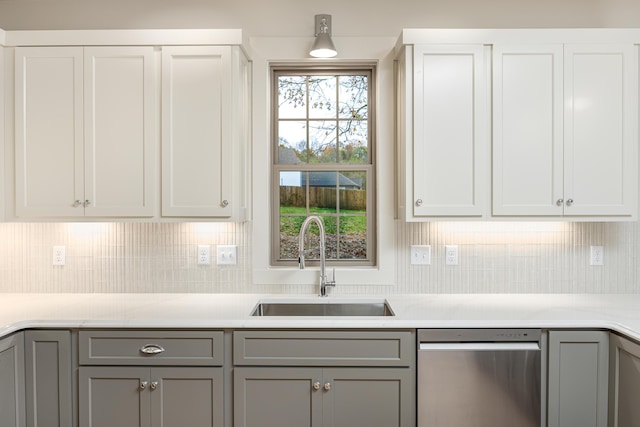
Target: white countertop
<point>618,312</point>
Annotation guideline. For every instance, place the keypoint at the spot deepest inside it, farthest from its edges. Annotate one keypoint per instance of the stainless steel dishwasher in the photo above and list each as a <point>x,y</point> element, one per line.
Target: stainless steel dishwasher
<point>479,378</point>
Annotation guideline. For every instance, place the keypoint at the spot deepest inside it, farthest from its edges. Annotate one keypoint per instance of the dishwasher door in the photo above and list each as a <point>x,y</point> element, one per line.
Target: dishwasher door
<point>479,378</point>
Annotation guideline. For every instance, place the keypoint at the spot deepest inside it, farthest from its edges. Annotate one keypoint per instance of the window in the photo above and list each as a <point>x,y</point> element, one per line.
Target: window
<point>323,162</point>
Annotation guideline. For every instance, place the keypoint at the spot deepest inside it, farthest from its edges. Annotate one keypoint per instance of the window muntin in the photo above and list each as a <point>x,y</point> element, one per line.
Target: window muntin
<point>323,162</point>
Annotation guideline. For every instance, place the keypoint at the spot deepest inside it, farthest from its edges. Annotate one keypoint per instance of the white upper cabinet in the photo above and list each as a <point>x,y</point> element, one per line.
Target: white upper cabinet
<point>517,124</point>
<point>205,128</point>
<point>443,125</point>
<point>565,130</point>
<point>84,131</point>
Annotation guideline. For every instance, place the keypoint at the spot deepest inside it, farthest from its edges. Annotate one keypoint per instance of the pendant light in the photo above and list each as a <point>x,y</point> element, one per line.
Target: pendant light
<point>323,46</point>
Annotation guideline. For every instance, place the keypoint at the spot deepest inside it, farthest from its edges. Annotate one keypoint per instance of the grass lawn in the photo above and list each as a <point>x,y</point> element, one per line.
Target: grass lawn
<point>351,221</point>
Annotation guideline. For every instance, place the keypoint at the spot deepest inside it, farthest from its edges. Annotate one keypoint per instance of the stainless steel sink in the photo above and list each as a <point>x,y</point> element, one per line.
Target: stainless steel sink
<point>323,308</point>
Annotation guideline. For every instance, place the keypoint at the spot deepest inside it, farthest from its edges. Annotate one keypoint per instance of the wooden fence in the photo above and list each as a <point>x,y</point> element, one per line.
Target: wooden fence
<point>322,197</point>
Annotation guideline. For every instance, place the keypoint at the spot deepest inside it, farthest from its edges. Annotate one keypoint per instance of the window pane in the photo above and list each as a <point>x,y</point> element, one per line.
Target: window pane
<point>293,192</point>
<point>322,97</point>
<point>353,141</point>
<point>353,97</point>
<point>322,192</point>
<point>331,237</point>
<point>292,142</point>
<point>322,142</point>
<point>292,97</point>
<point>289,230</point>
<point>353,237</point>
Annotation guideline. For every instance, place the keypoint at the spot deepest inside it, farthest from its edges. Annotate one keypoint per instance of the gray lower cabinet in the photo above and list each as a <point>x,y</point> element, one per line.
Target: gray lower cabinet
<point>132,396</point>
<point>12,401</point>
<point>140,378</point>
<point>578,378</point>
<point>324,378</point>
<point>48,378</point>
<point>314,397</point>
<point>624,383</point>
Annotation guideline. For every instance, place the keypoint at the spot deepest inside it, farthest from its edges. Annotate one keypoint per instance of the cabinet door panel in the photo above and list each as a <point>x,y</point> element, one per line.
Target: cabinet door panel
<point>12,405</point>
<point>578,378</point>
<point>48,378</point>
<point>369,397</point>
<point>187,397</point>
<point>111,396</point>
<point>276,397</point>
<point>449,132</point>
<point>49,136</point>
<point>196,123</point>
<point>624,383</point>
<point>600,135</point>
<point>527,130</point>
<point>119,138</point>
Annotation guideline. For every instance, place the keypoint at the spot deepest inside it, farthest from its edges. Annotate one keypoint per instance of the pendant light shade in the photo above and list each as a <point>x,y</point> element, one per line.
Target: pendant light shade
<point>323,45</point>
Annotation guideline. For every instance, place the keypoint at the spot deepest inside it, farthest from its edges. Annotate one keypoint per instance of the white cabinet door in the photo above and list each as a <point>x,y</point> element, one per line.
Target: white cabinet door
<point>196,131</point>
<point>565,131</point>
<point>119,131</point>
<point>600,135</point>
<point>450,132</point>
<point>527,130</point>
<point>84,131</point>
<point>49,126</point>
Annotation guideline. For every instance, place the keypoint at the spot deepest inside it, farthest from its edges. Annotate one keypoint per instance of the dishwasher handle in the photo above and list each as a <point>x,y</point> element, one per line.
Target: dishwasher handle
<point>479,346</point>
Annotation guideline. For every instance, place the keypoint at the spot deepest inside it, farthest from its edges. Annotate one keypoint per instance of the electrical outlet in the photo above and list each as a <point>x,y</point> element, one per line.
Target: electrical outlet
<point>421,254</point>
<point>59,256</point>
<point>597,255</point>
<point>227,254</point>
<point>451,254</point>
<point>204,255</point>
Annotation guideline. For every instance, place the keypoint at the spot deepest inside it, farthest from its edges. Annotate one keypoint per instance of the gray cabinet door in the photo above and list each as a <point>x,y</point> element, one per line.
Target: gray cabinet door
<point>48,378</point>
<point>578,378</point>
<point>12,405</point>
<point>371,397</point>
<point>624,383</point>
<point>114,396</point>
<point>186,397</point>
<point>277,397</point>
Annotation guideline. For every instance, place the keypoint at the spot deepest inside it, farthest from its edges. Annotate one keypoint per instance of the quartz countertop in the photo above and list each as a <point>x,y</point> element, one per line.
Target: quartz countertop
<point>617,312</point>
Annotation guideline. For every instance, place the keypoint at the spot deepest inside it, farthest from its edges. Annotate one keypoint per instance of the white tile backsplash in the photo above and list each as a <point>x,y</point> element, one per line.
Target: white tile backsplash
<point>515,257</point>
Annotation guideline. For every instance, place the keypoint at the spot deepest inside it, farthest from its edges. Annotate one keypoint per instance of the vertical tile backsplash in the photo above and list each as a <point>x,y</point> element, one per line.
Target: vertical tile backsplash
<point>162,257</point>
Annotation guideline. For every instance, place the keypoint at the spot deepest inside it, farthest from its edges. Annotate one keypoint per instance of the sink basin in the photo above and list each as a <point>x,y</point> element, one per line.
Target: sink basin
<point>323,308</point>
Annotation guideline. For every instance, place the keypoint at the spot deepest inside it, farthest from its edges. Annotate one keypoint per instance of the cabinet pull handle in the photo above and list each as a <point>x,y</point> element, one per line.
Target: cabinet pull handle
<point>316,385</point>
<point>143,385</point>
<point>154,385</point>
<point>152,349</point>
<point>327,386</point>
<point>569,202</point>
<point>559,202</point>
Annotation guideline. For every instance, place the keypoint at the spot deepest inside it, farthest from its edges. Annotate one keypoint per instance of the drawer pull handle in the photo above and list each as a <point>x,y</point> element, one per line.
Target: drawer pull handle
<point>152,349</point>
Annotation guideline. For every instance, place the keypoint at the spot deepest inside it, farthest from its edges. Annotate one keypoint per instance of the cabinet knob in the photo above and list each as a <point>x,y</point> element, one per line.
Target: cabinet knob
<point>419,202</point>
<point>77,204</point>
<point>154,385</point>
<point>316,385</point>
<point>152,349</point>
<point>86,203</point>
<point>569,202</point>
<point>143,385</point>
<point>225,203</point>
<point>327,386</point>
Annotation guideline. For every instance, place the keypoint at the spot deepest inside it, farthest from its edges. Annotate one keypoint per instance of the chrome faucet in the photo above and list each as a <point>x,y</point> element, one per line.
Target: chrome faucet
<point>323,276</point>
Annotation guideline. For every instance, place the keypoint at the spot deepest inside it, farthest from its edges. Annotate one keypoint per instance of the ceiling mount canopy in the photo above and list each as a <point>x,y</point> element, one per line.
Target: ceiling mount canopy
<point>323,45</point>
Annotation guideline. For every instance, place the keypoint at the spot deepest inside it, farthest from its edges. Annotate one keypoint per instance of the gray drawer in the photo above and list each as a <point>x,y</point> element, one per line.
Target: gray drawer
<point>186,348</point>
<point>324,348</point>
